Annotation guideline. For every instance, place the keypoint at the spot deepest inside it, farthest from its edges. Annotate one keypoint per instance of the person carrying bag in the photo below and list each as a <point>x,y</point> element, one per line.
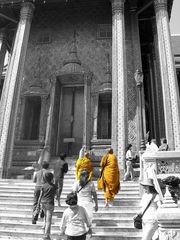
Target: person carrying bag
<point>147,219</point>
<point>138,218</point>
<point>87,196</point>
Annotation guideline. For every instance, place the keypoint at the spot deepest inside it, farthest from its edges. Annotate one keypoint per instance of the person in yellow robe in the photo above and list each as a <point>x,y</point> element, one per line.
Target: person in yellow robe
<point>110,176</point>
<point>84,163</point>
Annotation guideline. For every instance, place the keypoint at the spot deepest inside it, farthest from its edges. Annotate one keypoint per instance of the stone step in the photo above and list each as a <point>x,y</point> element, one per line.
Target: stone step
<point>27,192</point>
<point>54,235</point>
<point>65,188</point>
<point>25,182</point>
<point>28,204</point>
<point>63,195</point>
<point>106,213</point>
<point>98,220</point>
<point>22,163</point>
<point>113,211</point>
<point>55,227</point>
<point>116,236</point>
<point>116,203</point>
<point>115,223</point>
<point>67,184</point>
<point>97,237</point>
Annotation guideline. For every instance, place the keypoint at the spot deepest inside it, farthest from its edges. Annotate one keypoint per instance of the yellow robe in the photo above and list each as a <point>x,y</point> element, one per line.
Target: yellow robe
<point>84,163</point>
<point>111,176</point>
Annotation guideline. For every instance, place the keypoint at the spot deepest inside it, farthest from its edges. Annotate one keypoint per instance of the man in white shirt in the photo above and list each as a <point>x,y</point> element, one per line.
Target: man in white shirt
<point>153,146</point>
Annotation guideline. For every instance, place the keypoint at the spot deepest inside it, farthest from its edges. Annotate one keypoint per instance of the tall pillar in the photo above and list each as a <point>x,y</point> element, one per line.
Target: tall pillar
<point>168,76</point>
<point>42,118</point>
<point>95,117</point>
<point>152,90</point>
<point>45,154</point>
<point>21,112</point>
<point>86,127</point>
<point>158,85</point>
<point>119,80</point>
<point>11,88</point>
<point>137,64</point>
<point>3,48</point>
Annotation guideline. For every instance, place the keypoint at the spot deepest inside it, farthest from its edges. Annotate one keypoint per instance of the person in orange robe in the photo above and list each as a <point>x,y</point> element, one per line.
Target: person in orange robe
<point>84,163</point>
<point>110,176</point>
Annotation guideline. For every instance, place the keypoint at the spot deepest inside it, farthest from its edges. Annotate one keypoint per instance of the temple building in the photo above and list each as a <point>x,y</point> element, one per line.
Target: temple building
<point>98,73</point>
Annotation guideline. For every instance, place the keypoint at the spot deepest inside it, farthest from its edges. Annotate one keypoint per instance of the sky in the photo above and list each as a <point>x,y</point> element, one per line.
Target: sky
<point>175,18</point>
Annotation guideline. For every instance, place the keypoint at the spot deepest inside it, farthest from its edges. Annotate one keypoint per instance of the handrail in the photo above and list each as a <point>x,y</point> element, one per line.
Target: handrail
<point>150,173</point>
<point>156,183</point>
<point>141,165</point>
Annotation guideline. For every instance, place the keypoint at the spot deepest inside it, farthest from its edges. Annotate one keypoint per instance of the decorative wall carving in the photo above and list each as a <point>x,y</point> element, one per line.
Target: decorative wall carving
<point>168,166</point>
<point>170,235</point>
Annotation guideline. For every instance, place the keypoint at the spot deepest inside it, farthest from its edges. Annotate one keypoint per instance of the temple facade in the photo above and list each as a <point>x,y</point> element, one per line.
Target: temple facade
<point>70,78</point>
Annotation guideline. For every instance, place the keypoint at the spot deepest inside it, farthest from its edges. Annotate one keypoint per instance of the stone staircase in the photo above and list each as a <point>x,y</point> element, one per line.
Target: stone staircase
<point>109,223</point>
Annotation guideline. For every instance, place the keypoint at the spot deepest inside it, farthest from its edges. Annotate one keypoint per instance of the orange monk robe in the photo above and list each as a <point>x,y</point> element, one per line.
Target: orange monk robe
<point>84,163</point>
<point>111,176</point>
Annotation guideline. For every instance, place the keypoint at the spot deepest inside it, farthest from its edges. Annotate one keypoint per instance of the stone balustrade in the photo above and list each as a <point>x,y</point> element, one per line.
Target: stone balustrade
<point>165,163</point>
<point>168,215</point>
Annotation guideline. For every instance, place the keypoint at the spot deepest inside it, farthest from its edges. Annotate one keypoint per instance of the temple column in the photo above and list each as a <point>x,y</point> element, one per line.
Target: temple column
<point>11,88</point>
<point>158,85</point>
<point>3,48</point>
<point>95,117</point>
<point>21,112</point>
<point>86,127</point>
<point>119,81</point>
<point>42,118</point>
<point>168,76</point>
<point>152,89</point>
<point>137,64</point>
<point>45,154</point>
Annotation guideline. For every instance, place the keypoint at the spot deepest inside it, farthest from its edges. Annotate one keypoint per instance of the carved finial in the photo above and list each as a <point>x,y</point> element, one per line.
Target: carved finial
<point>108,69</point>
<point>168,201</point>
<point>37,81</point>
<point>106,85</point>
<point>73,58</point>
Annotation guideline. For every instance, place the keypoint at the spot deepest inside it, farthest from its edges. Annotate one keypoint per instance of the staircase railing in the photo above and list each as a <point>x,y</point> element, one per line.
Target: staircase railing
<point>150,173</point>
<point>156,183</point>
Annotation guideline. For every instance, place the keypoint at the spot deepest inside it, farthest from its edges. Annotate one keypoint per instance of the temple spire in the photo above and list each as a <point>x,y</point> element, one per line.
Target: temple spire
<point>73,58</point>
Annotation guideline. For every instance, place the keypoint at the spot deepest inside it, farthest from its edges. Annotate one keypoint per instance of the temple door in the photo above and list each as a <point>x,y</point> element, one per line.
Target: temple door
<point>104,117</point>
<point>71,119</point>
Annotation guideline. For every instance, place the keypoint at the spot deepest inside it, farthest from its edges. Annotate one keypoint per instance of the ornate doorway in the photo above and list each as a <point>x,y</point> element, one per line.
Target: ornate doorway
<point>70,123</point>
<point>104,116</point>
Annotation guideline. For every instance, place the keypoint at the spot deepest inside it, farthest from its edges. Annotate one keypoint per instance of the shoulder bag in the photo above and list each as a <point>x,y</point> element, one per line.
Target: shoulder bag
<point>82,187</point>
<point>138,218</point>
